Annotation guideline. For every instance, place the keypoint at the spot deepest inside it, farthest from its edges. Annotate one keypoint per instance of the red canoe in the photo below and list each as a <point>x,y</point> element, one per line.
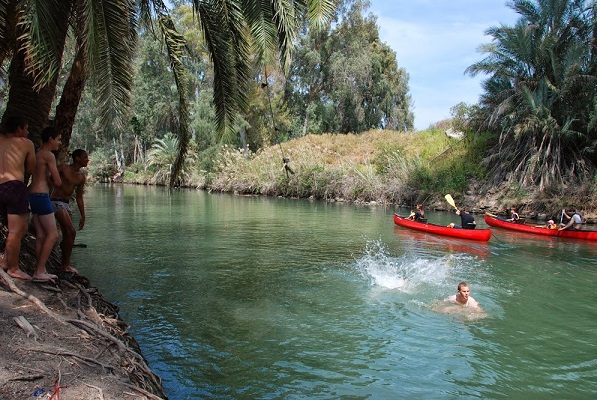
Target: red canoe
<point>471,234</point>
<point>493,220</point>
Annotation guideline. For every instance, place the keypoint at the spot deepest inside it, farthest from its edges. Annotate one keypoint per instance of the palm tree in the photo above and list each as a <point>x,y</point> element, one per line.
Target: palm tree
<point>34,35</point>
<point>540,92</point>
<point>163,155</point>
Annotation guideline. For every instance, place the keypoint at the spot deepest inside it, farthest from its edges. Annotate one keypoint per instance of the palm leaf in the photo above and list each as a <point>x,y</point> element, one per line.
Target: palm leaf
<point>40,38</point>
<point>111,40</point>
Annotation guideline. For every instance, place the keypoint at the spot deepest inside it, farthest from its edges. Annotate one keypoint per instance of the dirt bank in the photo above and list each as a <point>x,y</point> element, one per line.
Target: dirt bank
<point>66,338</point>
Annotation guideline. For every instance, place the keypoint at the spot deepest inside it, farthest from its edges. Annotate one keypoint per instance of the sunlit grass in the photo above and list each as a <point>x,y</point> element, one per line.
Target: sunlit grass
<point>382,166</point>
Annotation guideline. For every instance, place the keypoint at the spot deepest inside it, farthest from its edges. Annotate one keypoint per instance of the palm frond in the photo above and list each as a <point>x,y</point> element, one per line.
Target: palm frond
<point>41,37</point>
<point>4,29</point>
<point>175,45</point>
<point>224,30</point>
<point>540,90</point>
<point>111,39</point>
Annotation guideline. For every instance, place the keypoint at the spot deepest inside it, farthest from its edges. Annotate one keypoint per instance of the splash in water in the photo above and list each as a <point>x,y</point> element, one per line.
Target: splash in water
<point>409,271</point>
<point>421,280</point>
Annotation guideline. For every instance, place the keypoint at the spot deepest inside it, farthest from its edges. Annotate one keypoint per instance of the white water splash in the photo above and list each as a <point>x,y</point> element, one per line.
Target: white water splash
<point>407,272</point>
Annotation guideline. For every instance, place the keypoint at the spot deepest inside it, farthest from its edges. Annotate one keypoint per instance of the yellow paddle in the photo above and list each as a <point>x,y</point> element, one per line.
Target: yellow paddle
<point>450,200</point>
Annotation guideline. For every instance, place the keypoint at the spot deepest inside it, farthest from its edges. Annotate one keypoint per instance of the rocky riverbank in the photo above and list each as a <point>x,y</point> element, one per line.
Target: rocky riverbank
<point>66,339</point>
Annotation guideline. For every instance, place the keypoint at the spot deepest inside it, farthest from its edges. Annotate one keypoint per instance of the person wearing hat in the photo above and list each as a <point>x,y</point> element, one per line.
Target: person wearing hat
<point>551,224</point>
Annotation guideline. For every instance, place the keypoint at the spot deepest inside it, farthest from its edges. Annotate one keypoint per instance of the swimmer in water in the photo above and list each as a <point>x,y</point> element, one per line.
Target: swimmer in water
<point>461,302</point>
<point>463,296</point>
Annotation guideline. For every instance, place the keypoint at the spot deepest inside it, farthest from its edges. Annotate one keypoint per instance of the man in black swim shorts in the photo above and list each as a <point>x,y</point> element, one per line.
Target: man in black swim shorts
<point>17,158</point>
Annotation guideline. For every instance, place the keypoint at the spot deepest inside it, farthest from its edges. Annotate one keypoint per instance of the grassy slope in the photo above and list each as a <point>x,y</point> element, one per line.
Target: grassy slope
<point>383,166</point>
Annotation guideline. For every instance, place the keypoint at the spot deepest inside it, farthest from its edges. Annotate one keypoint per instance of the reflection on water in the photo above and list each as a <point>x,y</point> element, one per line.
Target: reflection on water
<point>245,297</point>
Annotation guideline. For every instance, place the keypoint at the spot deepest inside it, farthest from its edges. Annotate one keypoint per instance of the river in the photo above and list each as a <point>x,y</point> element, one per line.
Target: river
<point>234,297</point>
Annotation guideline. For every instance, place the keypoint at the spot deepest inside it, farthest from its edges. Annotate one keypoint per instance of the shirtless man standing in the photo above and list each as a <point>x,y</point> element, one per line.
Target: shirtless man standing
<point>45,175</point>
<point>73,181</point>
<point>17,159</point>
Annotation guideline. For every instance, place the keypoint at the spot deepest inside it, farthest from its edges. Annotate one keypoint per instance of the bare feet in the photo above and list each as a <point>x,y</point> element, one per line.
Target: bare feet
<point>18,274</point>
<point>70,268</point>
<point>44,277</point>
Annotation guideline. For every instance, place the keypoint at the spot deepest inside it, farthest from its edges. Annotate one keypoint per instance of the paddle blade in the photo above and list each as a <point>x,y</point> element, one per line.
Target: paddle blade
<point>450,200</point>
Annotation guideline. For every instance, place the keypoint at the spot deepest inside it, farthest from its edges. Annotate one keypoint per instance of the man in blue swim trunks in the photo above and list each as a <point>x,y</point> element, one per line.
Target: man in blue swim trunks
<point>17,158</point>
<point>45,176</point>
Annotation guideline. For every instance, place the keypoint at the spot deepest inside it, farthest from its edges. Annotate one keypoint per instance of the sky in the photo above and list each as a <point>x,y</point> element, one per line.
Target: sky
<point>435,41</point>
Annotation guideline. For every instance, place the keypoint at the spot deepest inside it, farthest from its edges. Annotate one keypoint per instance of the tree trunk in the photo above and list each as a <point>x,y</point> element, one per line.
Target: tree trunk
<point>66,111</point>
<point>23,98</point>
<point>306,121</point>
<point>243,139</point>
<point>9,31</point>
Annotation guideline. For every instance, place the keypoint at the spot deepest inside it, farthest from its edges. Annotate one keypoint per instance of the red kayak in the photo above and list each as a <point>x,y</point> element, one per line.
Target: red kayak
<point>493,220</point>
<point>471,234</point>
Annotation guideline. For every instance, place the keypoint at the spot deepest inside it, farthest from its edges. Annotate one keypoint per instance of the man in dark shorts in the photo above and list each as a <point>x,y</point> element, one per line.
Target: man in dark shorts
<point>17,158</point>
<point>73,181</point>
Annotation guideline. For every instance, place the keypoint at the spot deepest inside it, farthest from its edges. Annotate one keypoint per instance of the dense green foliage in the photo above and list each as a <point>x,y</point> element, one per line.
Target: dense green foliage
<point>34,36</point>
<point>344,79</point>
<point>273,111</point>
<point>382,165</point>
<point>228,79</point>
<point>540,100</point>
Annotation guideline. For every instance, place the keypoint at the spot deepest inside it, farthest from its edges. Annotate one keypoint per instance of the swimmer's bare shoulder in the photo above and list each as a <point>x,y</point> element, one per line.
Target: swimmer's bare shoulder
<point>472,303</point>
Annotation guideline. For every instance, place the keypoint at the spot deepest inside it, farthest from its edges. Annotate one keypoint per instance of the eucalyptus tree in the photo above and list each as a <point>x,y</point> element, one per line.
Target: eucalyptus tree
<point>344,79</point>
<point>33,34</point>
<point>541,91</point>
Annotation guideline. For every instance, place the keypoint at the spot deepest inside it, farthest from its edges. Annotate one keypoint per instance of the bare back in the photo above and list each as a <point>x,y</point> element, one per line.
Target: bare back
<point>17,158</point>
<point>46,172</point>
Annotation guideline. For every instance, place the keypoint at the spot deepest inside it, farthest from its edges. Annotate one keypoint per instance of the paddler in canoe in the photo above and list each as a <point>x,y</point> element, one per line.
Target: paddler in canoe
<point>418,215</point>
<point>467,221</point>
<point>575,221</point>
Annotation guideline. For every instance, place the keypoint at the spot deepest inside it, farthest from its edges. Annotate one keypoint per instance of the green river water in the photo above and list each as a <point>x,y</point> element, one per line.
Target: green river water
<point>235,297</point>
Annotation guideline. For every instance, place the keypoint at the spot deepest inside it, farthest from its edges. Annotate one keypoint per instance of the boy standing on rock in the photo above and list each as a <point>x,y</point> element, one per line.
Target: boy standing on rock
<point>17,159</point>
<point>45,175</point>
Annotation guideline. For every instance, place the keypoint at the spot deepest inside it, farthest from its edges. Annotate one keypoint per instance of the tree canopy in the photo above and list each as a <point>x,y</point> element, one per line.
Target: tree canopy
<point>274,109</point>
<point>540,99</point>
<point>344,79</point>
<point>34,34</point>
